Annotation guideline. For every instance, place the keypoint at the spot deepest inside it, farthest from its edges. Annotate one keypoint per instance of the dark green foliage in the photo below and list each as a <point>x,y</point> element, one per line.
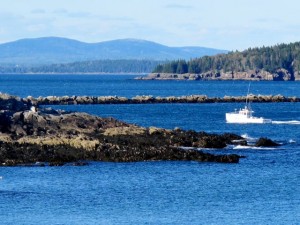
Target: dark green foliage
<point>283,56</point>
<point>178,66</point>
<point>182,67</point>
<point>99,66</point>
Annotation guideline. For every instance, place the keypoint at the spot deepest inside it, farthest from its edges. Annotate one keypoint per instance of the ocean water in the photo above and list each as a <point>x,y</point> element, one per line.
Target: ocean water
<point>262,189</point>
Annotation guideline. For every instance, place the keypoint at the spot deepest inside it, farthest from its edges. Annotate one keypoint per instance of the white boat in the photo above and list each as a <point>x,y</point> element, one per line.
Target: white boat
<point>245,115</point>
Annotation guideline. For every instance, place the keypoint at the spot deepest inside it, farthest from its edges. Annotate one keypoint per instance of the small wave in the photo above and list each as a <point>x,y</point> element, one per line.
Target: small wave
<point>247,137</point>
<point>252,147</point>
<point>194,148</point>
<point>292,122</point>
<point>242,147</point>
<point>291,141</point>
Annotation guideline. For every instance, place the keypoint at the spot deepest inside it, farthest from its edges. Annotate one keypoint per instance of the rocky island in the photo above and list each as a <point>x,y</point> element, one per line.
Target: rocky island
<point>251,75</point>
<point>30,135</point>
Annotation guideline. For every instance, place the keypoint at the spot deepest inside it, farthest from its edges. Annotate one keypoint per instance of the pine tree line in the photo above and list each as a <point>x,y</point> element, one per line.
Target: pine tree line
<point>282,56</point>
<point>98,66</point>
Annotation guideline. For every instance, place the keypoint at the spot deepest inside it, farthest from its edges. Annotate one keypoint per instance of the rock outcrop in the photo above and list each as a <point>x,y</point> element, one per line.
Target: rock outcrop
<point>30,135</point>
<point>149,99</point>
<point>278,75</point>
<point>265,142</point>
<point>13,103</point>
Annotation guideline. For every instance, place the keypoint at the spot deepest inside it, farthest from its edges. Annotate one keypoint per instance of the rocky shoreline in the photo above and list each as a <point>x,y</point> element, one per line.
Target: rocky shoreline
<point>149,99</point>
<point>39,136</point>
<point>252,75</point>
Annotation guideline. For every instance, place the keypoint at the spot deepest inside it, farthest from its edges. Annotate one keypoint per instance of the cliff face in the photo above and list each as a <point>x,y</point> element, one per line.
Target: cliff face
<point>279,75</point>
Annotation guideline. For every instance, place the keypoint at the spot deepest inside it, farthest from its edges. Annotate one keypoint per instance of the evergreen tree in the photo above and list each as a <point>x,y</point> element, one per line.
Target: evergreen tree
<point>285,56</point>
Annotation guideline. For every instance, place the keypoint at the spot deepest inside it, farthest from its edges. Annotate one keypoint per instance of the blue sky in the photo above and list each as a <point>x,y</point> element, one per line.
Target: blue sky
<point>223,24</point>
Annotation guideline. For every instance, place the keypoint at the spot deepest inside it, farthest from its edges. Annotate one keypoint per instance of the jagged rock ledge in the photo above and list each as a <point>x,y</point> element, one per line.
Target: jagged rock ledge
<point>30,136</point>
<point>149,99</point>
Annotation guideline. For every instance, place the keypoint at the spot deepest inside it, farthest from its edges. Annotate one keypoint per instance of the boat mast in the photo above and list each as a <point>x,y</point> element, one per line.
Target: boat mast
<point>247,95</point>
<point>248,107</point>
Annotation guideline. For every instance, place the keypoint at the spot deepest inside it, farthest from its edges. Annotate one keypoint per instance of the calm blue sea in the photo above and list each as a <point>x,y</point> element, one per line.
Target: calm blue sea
<point>262,189</point>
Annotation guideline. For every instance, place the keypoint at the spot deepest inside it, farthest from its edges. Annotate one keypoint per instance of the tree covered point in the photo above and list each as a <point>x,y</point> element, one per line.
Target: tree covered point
<point>271,59</point>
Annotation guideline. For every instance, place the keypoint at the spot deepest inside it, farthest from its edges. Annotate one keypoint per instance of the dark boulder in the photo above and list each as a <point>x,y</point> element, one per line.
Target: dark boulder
<point>265,142</point>
<point>13,103</point>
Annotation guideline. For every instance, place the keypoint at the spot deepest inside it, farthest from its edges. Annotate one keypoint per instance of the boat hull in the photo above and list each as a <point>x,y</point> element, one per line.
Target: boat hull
<point>238,118</point>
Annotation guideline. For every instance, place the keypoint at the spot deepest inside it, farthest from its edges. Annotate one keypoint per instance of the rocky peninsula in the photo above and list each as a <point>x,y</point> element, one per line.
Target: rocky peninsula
<point>43,136</point>
<point>29,135</point>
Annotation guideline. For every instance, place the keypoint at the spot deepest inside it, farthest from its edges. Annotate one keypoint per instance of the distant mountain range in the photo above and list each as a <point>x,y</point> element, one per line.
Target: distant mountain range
<point>53,50</point>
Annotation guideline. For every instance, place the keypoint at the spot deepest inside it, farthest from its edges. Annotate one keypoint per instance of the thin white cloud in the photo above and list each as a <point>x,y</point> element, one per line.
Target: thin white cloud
<point>116,18</point>
<point>60,11</point>
<point>79,14</point>
<point>178,6</point>
<point>68,13</point>
<point>38,11</point>
<point>36,28</point>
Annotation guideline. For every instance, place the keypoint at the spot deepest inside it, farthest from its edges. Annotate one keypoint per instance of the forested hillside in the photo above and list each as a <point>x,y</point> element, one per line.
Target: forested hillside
<point>282,58</point>
<point>101,66</point>
<point>98,66</point>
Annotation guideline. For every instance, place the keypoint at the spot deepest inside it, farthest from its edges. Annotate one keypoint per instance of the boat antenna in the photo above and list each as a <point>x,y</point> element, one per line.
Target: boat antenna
<point>248,94</point>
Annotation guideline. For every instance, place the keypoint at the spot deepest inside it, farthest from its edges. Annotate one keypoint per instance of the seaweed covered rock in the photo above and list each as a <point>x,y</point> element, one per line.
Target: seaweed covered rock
<point>160,144</point>
<point>59,137</point>
<point>45,135</point>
